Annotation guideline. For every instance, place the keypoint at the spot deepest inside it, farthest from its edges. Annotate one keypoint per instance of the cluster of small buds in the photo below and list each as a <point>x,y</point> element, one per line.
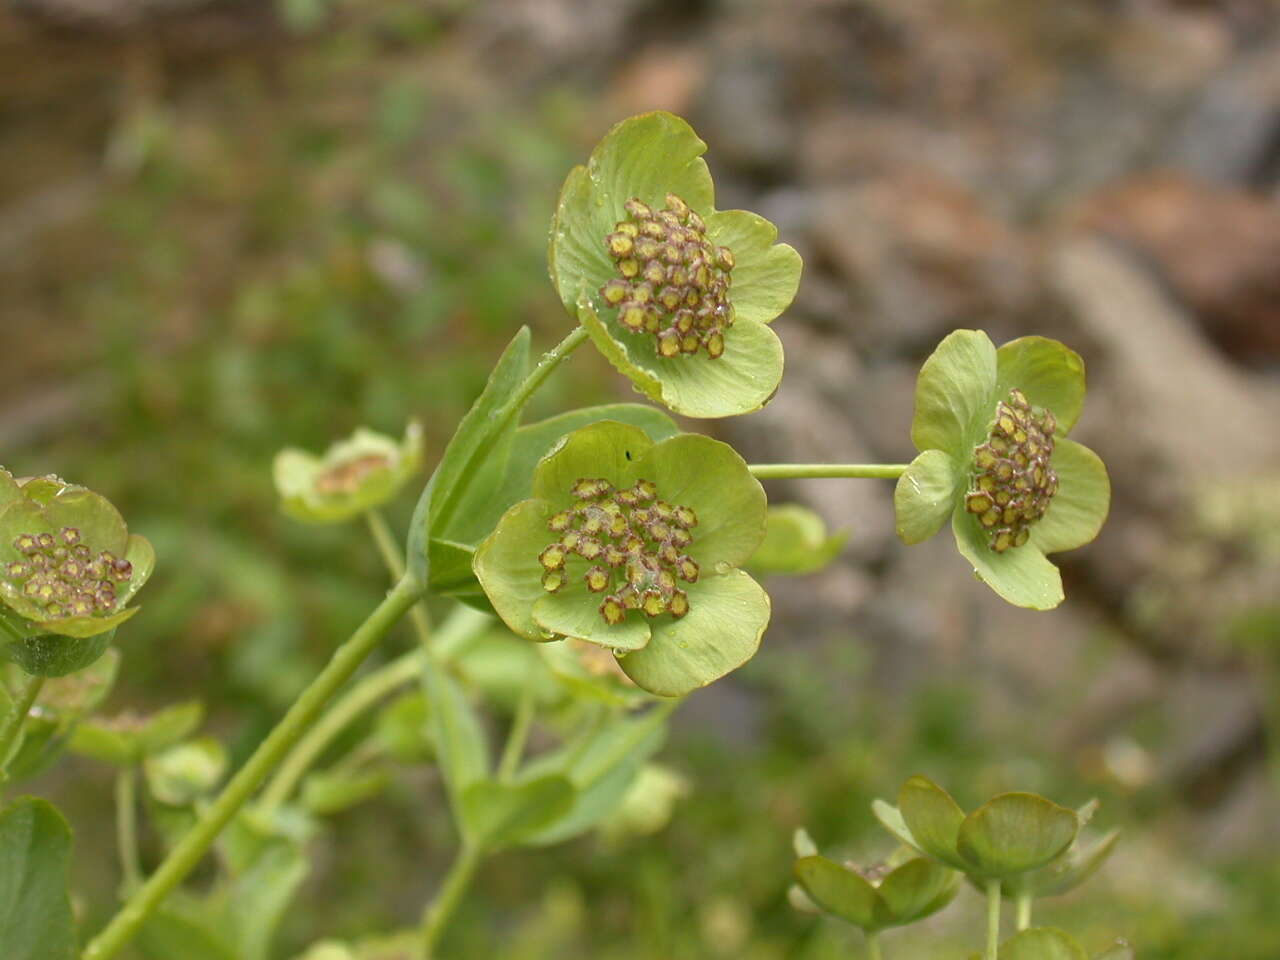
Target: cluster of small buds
<point>635,546</point>
<point>64,575</point>
<point>345,478</point>
<point>1013,481</point>
<point>672,281</point>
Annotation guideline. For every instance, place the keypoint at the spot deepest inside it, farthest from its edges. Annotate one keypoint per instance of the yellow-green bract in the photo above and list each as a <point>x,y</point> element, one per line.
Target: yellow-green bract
<point>957,395</point>
<point>666,654</point>
<point>646,158</point>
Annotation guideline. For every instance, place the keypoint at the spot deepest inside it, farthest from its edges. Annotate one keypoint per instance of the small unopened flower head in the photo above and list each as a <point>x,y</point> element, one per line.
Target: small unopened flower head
<point>672,282</point>
<point>1013,482</point>
<point>346,477</point>
<point>630,545</point>
<point>65,575</point>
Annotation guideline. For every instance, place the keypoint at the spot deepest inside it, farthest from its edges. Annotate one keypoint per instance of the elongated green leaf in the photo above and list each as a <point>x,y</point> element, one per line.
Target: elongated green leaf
<point>167,934</point>
<point>460,745</point>
<point>261,895</point>
<point>35,911</point>
<point>497,815</point>
<point>466,470</point>
<point>601,768</point>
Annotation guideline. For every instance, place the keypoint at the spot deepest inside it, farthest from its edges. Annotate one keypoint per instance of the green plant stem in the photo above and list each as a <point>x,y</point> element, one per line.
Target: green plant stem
<point>127,829</point>
<point>461,624</point>
<point>296,722</point>
<point>1023,905</point>
<point>11,726</point>
<point>993,920</point>
<point>393,557</point>
<point>345,710</point>
<point>543,369</point>
<point>436,917</point>
<point>799,471</point>
<point>873,946</point>
<point>514,748</point>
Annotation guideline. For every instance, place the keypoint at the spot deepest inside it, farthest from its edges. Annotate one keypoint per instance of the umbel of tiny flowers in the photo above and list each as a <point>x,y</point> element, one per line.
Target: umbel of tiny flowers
<point>68,564</point>
<point>992,429</point>
<point>676,294</point>
<point>1009,835</point>
<point>635,546</point>
<point>905,889</point>
<point>353,476</point>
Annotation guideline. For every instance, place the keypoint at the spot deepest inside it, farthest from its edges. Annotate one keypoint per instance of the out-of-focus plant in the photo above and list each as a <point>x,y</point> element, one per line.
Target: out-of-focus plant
<point>1016,844</point>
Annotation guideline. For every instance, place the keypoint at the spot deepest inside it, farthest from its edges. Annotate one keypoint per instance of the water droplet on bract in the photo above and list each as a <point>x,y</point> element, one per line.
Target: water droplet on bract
<point>547,634</point>
<point>723,567</point>
<point>683,644</point>
<point>620,653</point>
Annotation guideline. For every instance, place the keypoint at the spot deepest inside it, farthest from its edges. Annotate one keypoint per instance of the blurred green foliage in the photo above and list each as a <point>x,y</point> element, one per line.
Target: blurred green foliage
<point>347,237</point>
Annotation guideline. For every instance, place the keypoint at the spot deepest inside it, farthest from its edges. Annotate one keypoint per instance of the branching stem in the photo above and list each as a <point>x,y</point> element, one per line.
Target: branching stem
<point>296,722</point>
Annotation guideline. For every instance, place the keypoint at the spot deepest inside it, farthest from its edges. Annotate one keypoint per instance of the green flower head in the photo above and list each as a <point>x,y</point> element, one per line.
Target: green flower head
<point>676,294</point>
<point>894,894</point>
<point>992,429</point>
<point>1007,836</point>
<point>635,546</point>
<point>355,475</point>
<point>68,564</point>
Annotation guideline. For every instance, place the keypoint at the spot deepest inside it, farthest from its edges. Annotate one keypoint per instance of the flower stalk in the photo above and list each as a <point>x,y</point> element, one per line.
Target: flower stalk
<point>803,471</point>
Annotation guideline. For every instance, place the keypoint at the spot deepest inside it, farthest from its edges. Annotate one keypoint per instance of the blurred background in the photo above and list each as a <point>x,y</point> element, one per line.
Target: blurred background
<point>231,225</point>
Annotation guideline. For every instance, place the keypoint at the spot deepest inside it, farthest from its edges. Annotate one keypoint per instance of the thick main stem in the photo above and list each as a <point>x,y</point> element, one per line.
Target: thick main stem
<point>193,846</point>
<point>993,920</point>
<point>873,946</point>
<point>436,917</point>
<point>11,726</point>
<point>462,624</point>
<point>354,702</point>
<point>800,471</point>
